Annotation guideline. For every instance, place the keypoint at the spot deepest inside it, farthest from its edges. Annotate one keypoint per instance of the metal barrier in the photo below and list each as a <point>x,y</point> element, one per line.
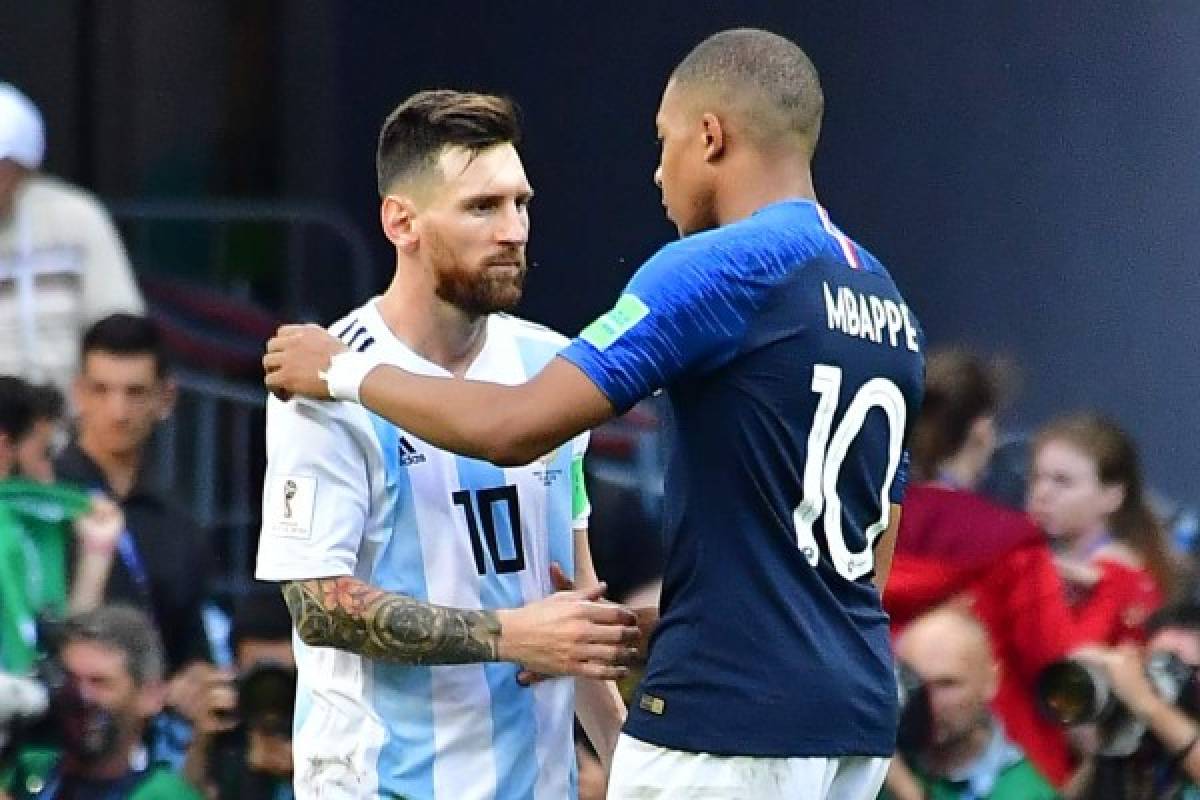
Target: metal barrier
<point>138,219</point>
<point>210,452</point>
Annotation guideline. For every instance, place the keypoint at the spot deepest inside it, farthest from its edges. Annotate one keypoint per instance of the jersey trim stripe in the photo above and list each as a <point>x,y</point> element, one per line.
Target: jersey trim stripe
<point>848,248</point>
<point>401,694</point>
<point>513,715</point>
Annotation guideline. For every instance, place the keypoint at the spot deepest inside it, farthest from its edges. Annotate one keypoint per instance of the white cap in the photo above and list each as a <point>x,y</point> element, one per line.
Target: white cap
<point>22,134</point>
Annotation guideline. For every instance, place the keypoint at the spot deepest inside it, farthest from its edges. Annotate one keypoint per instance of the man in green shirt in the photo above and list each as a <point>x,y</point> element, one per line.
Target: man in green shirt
<point>967,756</point>
<point>113,657</point>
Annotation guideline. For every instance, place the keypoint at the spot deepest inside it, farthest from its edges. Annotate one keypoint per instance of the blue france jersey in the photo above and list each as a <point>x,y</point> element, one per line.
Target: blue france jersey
<point>793,367</point>
<point>347,493</point>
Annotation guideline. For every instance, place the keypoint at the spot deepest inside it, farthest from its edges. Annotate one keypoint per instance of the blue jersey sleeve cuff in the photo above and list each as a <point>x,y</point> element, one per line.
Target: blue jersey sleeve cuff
<point>589,361</point>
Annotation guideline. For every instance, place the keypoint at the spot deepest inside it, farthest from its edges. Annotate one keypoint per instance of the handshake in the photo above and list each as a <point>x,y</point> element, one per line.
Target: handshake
<point>573,632</point>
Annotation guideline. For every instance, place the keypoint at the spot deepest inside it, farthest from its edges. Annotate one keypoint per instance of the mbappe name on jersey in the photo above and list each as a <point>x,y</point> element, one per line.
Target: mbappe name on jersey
<point>866,316</point>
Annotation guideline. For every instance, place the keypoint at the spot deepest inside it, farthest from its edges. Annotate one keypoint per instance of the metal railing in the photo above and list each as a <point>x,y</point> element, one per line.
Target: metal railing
<point>210,452</point>
<point>138,220</point>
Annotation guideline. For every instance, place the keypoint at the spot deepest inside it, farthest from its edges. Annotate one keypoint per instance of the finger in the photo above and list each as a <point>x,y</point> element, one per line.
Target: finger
<point>602,672</point>
<point>609,614</point>
<point>559,578</point>
<point>619,655</point>
<point>594,593</point>
<point>293,329</point>
<point>272,361</point>
<point>614,634</point>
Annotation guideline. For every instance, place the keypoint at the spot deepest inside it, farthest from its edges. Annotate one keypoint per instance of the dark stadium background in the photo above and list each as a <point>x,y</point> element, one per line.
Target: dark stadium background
<point>1030,171</point>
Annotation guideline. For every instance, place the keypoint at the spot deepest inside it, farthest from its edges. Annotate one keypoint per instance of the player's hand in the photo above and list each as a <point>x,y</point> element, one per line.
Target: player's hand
<point>296,359</point>
<point>571,632</point>
<point>561,583</point>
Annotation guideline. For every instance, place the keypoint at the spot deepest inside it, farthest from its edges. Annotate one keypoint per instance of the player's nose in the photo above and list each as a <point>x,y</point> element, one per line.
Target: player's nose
<point>513,227</point>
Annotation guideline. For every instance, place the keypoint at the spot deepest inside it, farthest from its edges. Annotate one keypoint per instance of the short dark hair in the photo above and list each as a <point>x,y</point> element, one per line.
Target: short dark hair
<point>763,75</point>
<point>261,615</point>
<point>47,402</point>
<point>415,133</point>
<point>960,387</point>
<point>123,628</point>
<point>16,407</point>
<point>126,335</point>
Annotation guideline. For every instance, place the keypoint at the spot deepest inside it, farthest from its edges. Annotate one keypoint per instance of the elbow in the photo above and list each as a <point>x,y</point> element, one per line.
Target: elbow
<point>508,445</point>
<point>312,637</point>
<point>507,451</point>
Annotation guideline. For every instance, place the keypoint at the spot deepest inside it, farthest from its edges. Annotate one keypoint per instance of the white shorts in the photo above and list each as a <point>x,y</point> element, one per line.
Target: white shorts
<point>642,771</point>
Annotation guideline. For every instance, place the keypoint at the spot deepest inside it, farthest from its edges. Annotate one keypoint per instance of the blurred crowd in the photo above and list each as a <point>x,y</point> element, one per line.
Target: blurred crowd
<point>1047,638</point>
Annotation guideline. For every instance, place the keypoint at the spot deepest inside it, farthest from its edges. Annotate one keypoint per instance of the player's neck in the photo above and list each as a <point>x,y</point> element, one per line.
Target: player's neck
<point>433,329</point>
<point>758,182</point>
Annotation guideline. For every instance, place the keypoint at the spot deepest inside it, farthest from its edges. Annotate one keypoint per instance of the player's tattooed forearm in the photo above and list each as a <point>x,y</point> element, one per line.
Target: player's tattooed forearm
<point>350,615</point>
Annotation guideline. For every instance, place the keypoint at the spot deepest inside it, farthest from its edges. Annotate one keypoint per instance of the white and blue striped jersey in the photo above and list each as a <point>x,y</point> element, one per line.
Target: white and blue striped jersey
<point>348,493</point>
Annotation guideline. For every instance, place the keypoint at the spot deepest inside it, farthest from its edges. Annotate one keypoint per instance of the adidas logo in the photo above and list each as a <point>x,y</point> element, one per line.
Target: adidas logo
<point>408,454</point>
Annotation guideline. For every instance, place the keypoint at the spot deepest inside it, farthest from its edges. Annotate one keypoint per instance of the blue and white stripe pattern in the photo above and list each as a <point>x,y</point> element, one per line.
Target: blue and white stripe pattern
<point>422,520</point>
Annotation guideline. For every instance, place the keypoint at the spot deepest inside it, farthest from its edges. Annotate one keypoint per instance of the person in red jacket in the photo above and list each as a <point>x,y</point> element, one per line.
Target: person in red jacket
<point>955,543</point>
<point>1086,491</point>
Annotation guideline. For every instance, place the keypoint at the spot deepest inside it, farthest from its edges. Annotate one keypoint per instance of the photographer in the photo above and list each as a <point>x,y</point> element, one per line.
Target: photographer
<point>966,755</point>
<point>242,743</point>
<point>1167,765</point>
<point>113,662</point>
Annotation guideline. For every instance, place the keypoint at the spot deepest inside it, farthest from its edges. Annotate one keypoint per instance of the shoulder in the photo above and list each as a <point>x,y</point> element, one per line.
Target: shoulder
<point>767,243</point>
<point>31,762</point>
<point>163,783</point>
<point>46,190</point>
<point>524,329</point>
<point>1021,781</point>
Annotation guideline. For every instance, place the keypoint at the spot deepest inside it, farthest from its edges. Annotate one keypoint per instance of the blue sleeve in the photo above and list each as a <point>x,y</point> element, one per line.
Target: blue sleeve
<point>685,311</point>
<point>900,482</point>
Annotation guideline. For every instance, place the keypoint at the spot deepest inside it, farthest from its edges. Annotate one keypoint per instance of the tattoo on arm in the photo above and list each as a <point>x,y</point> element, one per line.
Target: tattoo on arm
<point>348,614</point>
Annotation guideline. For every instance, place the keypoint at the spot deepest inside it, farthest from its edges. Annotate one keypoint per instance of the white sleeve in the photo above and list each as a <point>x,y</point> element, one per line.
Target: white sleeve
<point>316,493</point>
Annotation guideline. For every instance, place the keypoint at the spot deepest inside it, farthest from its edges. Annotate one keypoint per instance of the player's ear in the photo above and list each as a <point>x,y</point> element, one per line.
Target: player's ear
<point>714,136</point>
<point>397,214</point>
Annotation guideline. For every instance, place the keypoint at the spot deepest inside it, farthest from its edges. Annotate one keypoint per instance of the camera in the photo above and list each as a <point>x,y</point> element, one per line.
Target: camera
<point>1075,692</point>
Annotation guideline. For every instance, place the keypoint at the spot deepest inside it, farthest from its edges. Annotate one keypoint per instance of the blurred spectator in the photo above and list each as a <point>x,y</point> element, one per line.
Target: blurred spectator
<point>1086,492</point>
<point>967,754</point>
<point>1167,765</point>
<point>113,659</point>
<point>37,523</point>
<point>122,393</point>
<point>242,746</point>
<point>62,265</point>
<point>953,541</point>
<point>35,455</point>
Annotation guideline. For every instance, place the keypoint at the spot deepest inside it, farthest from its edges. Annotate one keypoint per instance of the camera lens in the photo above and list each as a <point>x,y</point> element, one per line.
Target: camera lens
<point>1073,693</point>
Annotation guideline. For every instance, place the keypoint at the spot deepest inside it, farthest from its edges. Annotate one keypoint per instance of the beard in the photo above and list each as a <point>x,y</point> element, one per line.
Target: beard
<point>491,286</point>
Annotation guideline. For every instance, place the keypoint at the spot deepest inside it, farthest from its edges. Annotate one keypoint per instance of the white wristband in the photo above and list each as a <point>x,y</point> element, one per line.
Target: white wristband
<point>346,373</point>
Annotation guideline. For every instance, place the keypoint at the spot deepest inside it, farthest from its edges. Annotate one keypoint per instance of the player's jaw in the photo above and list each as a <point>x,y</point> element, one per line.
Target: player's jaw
<point>492,283</point>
